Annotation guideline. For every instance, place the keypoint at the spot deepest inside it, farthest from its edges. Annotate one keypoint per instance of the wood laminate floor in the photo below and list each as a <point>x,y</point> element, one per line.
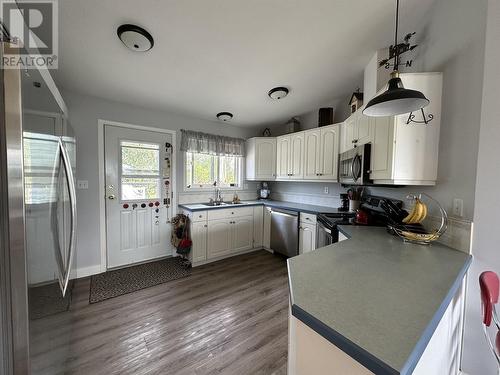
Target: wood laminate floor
<point>228,317</point>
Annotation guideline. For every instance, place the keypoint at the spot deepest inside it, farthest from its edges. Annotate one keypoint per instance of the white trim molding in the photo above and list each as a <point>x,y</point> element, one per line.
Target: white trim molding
<point>102,177</point>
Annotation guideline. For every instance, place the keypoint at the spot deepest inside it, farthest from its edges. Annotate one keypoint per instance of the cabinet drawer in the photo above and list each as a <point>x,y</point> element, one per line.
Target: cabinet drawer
<point>226,213</point>
<point>307,218</point>
<point>198,216</point>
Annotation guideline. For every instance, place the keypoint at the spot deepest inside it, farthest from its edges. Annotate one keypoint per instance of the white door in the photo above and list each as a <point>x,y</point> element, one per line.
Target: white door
<point>242,233</point>
<point>139,183</point>
<point>266,238</point>
<point>329,153</point>
<point>199,238</point>
<point>283,147</point>
<point>219,238</point>
<point>265,155</point>
<point>312,154</point>
<point>296,156</point>
<point>307,238</point>
<point>350,130</point>
<point>258,226</point>
<point>364,129</point>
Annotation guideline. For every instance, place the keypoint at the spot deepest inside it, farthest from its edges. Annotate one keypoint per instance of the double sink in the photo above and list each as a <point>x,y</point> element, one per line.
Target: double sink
<point>214,204</point>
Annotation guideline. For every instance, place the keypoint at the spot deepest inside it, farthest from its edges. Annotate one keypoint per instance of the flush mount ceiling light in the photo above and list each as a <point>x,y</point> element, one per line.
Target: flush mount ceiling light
<point>135,37</point>
<point>224,116</point>
<point>396,100</point>
<point>278,93</point>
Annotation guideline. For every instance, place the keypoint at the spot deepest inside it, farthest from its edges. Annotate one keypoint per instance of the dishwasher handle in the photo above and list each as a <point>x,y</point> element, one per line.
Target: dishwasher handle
<point>284,213</point>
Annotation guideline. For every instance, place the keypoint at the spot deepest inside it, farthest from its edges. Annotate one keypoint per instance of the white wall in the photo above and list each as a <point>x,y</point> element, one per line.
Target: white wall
<point>84,112</point>
<point>477,358</point>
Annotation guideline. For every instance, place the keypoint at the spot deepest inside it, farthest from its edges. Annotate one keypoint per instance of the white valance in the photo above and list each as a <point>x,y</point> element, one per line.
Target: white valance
<point>211,144</point>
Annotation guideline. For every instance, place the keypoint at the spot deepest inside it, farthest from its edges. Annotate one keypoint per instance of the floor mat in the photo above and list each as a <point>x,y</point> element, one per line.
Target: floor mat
<point>47,300</point>
<point>127,280</point>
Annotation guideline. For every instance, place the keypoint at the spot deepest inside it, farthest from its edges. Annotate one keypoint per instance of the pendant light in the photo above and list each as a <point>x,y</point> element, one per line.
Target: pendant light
<point>396,99</point>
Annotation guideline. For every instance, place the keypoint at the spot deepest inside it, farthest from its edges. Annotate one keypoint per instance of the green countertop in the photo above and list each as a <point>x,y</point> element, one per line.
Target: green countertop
<point>377,298</point>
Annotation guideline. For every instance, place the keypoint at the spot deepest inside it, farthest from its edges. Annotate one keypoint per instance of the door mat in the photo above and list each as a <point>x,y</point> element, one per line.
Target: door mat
<point>127,280</point>
<point>46,300</point>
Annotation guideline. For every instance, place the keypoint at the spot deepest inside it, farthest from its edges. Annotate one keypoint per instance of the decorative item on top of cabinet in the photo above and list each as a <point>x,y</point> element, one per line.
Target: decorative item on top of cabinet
<point>325,116</point>
<point>356,101</point>
<point>261,159</point>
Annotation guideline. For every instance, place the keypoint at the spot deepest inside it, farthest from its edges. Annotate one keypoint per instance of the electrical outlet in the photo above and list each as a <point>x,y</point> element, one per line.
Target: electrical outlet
<point>326,189</point>
<point>82,184</point>
<point>458,207</point>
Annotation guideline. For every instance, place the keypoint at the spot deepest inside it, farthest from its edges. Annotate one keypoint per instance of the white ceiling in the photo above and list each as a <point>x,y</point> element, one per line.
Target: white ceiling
<point>224,55</point>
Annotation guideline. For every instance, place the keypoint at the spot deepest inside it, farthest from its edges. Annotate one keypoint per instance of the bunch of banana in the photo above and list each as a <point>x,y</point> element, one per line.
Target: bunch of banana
<point>417,214</point>
<point>420,236</point>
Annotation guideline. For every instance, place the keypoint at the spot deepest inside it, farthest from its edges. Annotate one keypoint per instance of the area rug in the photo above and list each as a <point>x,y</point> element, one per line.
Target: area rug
<point>127,280</point>
<point>47,300</point>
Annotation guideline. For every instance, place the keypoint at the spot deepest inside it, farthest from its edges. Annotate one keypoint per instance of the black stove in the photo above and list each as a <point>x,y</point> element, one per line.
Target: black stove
<point>381,212</point>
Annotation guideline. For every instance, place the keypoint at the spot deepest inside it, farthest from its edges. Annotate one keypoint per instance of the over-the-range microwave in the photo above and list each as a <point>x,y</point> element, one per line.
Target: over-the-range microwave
<point>354,166</point>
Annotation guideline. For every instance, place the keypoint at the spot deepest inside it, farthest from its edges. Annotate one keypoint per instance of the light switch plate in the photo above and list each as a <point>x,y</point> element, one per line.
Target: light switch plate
<point>326,190</point>
<point>458,207</point>
<point>82,184</point>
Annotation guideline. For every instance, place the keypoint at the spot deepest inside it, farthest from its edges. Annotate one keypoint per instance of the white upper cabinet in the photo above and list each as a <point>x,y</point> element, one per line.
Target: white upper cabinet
<point>261,159</point>
<point>296,156</point>
<point>357,130</point>
<point>329,153</point>
<point>407,154</point>
<point>283,149</point>
<point>312,158</point>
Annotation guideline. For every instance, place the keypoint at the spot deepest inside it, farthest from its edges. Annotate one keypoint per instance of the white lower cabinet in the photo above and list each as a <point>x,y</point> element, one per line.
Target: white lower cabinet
<point>242,234</point>
<point>307,238</point>
<point>219,238</point>
<point>199,232</point>
<point>266,238</point>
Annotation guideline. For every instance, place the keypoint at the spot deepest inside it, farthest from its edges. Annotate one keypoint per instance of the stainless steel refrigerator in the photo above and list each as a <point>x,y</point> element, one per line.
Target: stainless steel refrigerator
<point>38,220</point>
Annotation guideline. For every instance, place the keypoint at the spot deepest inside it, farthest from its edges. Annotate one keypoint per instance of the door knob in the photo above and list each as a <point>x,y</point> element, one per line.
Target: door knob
<point>112,196</point>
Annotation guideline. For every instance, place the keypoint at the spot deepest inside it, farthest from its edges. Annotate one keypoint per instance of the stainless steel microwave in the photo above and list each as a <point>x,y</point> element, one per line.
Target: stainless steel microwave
<point>354,166</point>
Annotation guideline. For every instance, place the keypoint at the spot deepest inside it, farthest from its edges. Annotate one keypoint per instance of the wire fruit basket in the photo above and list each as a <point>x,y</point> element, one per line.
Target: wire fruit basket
<point>418,227</point>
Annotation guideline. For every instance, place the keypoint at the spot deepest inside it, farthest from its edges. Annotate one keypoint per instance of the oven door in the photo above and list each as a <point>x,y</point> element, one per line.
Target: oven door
<point>324,236</point>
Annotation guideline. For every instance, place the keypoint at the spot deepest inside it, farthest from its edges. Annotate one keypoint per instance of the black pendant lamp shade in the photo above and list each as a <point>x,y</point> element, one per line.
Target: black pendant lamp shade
<point>396,100</point>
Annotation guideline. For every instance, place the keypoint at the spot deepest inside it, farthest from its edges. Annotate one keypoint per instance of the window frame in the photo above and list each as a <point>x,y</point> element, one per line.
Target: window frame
<point>121,176</point>
<point>239,175</point>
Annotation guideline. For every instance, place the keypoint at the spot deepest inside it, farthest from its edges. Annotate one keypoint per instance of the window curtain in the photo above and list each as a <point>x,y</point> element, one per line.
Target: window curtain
<point>203,143</point>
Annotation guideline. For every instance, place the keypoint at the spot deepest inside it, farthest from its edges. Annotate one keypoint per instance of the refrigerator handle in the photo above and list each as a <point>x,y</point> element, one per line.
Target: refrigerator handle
<point>72,199</point>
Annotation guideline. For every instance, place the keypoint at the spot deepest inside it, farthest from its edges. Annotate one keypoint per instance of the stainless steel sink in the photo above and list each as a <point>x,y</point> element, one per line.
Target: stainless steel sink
<point>213,204</point>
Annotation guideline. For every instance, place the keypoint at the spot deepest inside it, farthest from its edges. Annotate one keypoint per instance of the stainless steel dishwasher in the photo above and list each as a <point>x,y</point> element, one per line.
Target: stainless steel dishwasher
<point>285,232</point>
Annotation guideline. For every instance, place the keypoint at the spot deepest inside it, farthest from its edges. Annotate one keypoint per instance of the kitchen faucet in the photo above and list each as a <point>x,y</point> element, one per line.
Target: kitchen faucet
<point>218,196</point>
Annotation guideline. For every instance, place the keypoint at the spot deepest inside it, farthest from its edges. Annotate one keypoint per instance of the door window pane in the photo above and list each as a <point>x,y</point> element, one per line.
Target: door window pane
<point>140,159</point>
<point>140,188</point>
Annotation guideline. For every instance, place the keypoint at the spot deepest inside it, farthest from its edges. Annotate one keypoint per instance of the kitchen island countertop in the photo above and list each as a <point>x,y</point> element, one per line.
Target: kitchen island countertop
<point>375,297</point>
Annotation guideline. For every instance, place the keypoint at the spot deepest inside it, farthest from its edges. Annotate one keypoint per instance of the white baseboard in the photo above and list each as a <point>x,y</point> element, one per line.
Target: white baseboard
<point>87,271</point>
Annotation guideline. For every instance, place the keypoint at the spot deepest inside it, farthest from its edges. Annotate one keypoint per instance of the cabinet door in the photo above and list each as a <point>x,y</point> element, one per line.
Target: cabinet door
<point>219,238</point>
<point>350,130</point>
<point>258,226</point>
<point>265,159</point>
<point>267,228</point>
<point>296,156</point>
<point>307,238</point>
<point>199,237</point>
<point>282,154</point>
<point>382,148</point>
<point>242,233</point>
<point>312,141</point>
<point>329,152</point>
<point>364,129</point>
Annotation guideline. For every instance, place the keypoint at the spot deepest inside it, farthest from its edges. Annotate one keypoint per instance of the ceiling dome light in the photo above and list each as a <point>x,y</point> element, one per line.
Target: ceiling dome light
<point>224,116</point>
<point>278,93</point>
<point>135,38</point>
<point>396,100</point>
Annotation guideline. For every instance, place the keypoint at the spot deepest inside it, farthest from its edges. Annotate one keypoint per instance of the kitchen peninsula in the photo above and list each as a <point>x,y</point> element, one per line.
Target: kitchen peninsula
<point>372,304</point>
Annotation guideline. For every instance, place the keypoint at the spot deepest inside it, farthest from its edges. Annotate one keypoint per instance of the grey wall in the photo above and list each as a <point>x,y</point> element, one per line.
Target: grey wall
<point>84,112</point>
<point>451,41</point>
<point>477,358</point>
